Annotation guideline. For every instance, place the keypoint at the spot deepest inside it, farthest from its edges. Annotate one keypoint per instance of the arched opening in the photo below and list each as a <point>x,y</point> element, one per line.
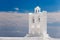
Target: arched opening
<point>33,20</point>
<point>39,19</point>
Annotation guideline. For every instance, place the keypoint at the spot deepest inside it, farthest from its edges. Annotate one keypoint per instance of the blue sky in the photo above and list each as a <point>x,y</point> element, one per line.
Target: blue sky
<point>28,5</point>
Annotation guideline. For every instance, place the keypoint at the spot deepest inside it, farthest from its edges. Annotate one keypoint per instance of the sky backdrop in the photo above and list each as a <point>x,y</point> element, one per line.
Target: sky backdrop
<point>13,23</point>
<point>28,5</point>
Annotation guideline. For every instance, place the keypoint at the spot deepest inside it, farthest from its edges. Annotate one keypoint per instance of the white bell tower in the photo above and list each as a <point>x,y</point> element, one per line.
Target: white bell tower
<point>37,9</point>
<point>38,23</point>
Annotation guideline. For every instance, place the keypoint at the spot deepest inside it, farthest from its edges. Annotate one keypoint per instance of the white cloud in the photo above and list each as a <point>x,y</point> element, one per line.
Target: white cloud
<point>7,18</point>
<point>16,20</point>
<point>16,8</point>
<point>53,17</point>
<point>21,20</point>
<point>54,29</point>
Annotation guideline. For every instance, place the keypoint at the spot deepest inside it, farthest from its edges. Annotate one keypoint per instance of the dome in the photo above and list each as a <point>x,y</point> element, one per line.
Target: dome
<point>38,7</point>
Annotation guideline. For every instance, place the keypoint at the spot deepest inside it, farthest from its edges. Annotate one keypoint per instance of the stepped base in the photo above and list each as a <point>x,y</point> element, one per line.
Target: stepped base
<point>22,38</point>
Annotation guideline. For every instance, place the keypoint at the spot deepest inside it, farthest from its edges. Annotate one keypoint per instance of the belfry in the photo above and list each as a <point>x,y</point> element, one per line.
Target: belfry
<point>38,23</point>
